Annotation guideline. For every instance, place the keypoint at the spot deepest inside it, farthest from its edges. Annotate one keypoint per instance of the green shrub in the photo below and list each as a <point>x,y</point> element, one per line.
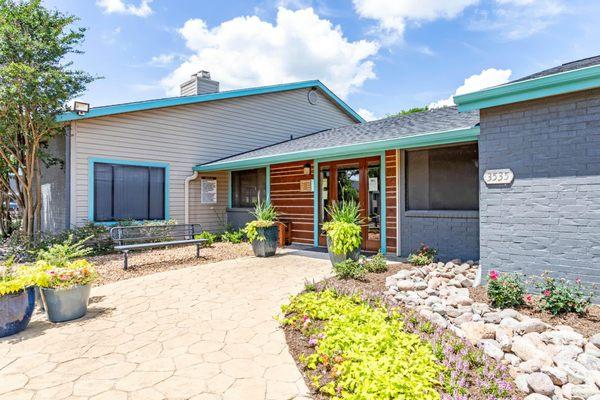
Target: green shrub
<point>58,255</point>
<point>424,256</point>
<point>377,263</point>
<point>233,236</point>
<point>560,296</point>
<point>360,351</point>
<point>343,229</point>
<point>210,238</point>
<point>349,269</point>
<point>506,290</point>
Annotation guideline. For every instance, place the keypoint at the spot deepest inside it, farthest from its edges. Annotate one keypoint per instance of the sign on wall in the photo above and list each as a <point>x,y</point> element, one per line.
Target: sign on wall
<point>498,176</point>
<point>208,190</point>
<point>306,185</point>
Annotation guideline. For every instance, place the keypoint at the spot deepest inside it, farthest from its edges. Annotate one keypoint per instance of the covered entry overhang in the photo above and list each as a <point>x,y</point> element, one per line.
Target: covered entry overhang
<point>299,172</point>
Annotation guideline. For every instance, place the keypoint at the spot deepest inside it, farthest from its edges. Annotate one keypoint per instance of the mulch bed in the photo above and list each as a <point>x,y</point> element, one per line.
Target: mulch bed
<point>110,266</point>
<point>588,324</point>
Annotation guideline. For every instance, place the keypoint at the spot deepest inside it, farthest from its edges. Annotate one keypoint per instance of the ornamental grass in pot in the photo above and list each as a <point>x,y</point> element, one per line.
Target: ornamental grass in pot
<point>65,280</point>
<point>343,232</point>
<point>263,232</point>
<point>17,298</point>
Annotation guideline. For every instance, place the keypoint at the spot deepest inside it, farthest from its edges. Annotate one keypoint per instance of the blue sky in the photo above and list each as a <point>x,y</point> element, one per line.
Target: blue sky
<point>381,56</point>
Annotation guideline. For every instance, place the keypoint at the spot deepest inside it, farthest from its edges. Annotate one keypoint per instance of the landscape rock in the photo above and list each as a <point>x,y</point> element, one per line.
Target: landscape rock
<point>526,350</point>
<point>595,340</point>
<point>563,337</point>
<point>537,396</point>
<point>540,383</point>
<point>405,284</point>
<point>584,391</point>
<point>475,331</point>
<point>531,325</point>
<point>589,361</point>
<point>521,383</point>
<point>558,376</point>
<point>492,349</point>
<point>459,300</point>
<point>529,366</point>
<point>592,349</point>
<point>576,373</point>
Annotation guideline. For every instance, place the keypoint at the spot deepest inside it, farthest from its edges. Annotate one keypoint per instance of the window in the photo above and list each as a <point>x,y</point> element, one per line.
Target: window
<point>443,178</point>
<point>128,192</point>
<point>248,187</point>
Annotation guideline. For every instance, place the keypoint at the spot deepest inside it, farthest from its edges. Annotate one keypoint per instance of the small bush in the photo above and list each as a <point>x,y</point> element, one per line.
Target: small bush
<point>377,263</point>
<point>424,256</point>
<point>234,237</point>
<point>210,238</point>
<point>59,255</point>
<point>560,296</point>
<point>506,290</point>
<point>349,269</point>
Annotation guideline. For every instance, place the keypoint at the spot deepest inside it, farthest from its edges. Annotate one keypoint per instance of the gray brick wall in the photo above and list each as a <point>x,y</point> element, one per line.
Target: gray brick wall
<point>549,218</point>
<point>453,237</point>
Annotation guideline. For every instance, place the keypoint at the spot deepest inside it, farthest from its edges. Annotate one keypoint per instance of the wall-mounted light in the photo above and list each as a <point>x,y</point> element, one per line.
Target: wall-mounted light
<point>81,107</point>
<point>307,169</point>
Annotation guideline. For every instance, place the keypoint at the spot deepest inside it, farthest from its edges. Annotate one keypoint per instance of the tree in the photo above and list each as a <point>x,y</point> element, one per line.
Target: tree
<point>409,111</point>
<point>36,82</point>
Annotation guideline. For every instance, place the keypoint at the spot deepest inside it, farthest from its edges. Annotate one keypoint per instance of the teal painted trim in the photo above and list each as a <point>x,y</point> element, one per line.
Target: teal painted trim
<point>268,182</point>
<point>94,160</point>
<point>383,201</point>
<point>316,203</point>
<point>182,100</point>
<point>531,89</point>
<point>229,190</point>
<point>358,150</point>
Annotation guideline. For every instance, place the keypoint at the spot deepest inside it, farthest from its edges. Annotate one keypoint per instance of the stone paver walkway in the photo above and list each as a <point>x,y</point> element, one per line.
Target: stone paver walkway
<point>206,332</point>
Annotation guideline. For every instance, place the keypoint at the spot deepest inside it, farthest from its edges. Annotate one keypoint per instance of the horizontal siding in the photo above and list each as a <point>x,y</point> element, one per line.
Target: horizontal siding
<point>292,204</point>
<point>187,135</point>
<point>391,202</point>
<point>212,217</point>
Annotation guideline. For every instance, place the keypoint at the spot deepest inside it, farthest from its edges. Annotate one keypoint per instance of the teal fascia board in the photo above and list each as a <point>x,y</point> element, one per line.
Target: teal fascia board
<point>94,160</point>
<point>383,205</point>
<point>316,190</point>
<point>268,183</point>
<point>531,89</point>
<point>358,150</point>
<point>183,100</point>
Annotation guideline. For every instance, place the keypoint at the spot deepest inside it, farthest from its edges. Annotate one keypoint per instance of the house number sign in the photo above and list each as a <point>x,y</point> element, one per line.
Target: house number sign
<point>498,176</point>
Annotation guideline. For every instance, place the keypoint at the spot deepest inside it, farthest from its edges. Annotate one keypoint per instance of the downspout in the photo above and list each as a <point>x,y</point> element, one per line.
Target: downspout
<point>68,176</point>
<point>186,197</point>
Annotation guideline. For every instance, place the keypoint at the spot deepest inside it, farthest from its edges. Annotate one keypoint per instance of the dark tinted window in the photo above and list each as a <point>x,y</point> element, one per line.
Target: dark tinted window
<point>443,178</point>
<point>128,192</point>
<point>248,187</point>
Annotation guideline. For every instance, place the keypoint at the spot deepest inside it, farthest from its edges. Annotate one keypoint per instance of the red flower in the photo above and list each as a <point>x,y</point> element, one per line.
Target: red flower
<point>528,297</point>
<point>547,293</point>
<point>493,275</point>
<point>578,280</point>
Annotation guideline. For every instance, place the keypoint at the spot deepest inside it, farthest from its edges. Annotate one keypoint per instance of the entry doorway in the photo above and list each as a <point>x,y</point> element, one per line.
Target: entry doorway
<point>355,180</point>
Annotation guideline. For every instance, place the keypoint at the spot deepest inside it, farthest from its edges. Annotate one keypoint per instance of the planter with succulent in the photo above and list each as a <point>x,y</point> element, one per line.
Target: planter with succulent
<point>263,232</point>
<point>343,232</point>
<point>17,298</point>
<point>65,280</point>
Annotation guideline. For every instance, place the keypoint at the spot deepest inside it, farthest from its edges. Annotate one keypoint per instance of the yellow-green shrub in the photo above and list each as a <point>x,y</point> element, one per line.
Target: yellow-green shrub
<point>345,236</point>
<point>365,349</point>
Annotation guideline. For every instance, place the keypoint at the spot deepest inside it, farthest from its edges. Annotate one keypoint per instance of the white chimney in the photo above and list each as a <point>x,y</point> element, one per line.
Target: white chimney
<point>200,83</point>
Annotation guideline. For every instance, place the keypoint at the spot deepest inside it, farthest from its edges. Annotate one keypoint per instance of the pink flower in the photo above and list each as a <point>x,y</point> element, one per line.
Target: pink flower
<point>304,317</point>
<point>312,342</point>
<point>578,280</point>
<point>547,293</point>
<point>528,297</point>
<point>493,275</point>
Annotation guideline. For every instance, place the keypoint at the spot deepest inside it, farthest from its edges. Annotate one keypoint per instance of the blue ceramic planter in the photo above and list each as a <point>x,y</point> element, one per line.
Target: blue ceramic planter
<point>15,311</point>
<point>267,247</point>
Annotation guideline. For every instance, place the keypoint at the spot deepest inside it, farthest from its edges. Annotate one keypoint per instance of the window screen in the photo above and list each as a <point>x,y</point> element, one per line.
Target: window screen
<point>128,192</point>
<point>248,187</point>
<point>443,178</point>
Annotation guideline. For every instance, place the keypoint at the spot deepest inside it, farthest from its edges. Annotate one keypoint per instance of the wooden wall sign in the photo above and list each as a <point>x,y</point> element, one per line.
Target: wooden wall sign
<point>306,185</point>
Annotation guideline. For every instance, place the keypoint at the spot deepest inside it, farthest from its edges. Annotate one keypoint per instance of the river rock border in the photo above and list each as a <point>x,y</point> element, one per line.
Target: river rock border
<point>547,362</point>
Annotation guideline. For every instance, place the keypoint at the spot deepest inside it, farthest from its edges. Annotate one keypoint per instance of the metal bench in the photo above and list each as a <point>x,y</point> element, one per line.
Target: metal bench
<point>127,238</point>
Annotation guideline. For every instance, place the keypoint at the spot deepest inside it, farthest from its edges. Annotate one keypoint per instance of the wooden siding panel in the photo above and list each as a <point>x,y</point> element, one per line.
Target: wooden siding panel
<point>187,135</point>
<point>391,172</point>
<point>291,203</point>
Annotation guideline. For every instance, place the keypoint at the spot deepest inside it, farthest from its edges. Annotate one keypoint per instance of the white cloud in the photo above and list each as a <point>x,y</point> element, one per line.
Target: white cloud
<point>162,60</point>
<point>247,51</point>
<point>366,114</point>
<point>487,78</point>
<point>518,19</point>
<point>120,7</point>
<point>393,15</point>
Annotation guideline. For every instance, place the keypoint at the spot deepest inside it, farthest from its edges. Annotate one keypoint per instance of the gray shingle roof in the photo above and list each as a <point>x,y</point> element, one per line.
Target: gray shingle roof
<point>436,120</point>
<point>570,66</point>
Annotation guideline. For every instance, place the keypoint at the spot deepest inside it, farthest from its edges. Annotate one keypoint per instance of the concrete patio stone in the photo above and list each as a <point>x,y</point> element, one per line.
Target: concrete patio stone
<point>202,333</point>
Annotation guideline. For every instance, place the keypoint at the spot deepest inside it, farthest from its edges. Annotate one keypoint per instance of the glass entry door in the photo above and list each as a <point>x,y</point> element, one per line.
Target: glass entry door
<point>358,181</point>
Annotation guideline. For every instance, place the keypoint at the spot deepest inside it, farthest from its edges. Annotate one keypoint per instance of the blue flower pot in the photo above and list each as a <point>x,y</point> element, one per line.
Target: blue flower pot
<point>267,247</point>
<point>15,311</point>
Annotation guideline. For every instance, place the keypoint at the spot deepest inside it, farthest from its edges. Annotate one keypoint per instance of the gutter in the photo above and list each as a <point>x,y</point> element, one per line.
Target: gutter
<point>186,197</point>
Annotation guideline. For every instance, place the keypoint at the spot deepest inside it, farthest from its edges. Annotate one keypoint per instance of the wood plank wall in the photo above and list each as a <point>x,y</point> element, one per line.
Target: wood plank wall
<point>290,202</point>
<point>391,172</point>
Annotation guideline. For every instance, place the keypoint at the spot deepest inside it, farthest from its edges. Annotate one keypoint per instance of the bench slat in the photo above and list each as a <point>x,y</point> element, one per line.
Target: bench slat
<point>158,244</point>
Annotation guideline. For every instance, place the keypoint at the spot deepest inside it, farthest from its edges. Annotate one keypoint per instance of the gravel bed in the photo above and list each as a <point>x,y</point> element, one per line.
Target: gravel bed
<point>110,267</point>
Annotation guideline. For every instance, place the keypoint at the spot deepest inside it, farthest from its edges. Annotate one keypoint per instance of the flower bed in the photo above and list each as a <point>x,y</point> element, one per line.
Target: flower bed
<point>353,347</point>
<point>546,361</point>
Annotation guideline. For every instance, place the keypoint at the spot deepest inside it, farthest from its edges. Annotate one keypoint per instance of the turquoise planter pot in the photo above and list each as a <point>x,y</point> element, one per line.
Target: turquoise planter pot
<point>267,247</point>
<point>15,311</point>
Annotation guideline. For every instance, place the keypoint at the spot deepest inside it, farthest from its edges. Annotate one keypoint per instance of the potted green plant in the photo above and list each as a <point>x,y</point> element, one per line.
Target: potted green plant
<point>343,232</point>
<point>65,280</point>
<point>263,232</point>
<point>17,298</point>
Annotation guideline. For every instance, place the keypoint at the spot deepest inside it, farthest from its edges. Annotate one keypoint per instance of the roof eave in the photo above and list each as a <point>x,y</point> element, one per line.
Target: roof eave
<point>531,89</point>
<point>460,135</point>
<point>184,100</point>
